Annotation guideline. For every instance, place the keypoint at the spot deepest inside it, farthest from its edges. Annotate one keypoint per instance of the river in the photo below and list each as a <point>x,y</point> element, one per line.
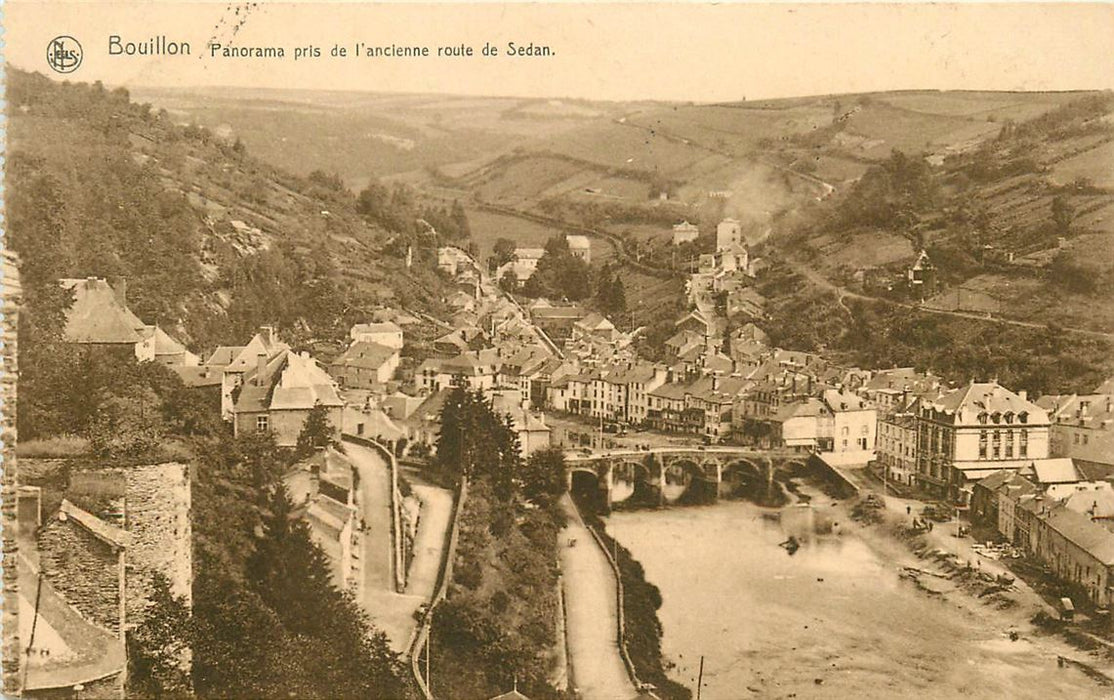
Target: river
<point>833,620</point>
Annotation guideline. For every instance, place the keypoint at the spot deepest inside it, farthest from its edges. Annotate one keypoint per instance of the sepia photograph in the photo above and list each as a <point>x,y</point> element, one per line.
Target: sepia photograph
<point>557,351</point>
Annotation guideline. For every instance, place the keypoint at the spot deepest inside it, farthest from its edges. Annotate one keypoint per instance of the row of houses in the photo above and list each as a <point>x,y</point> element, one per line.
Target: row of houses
<point>1059,514</point>
<point>945,440</point>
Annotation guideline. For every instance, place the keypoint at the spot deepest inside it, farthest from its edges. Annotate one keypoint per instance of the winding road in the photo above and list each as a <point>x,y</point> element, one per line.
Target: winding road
<point>392,612</point>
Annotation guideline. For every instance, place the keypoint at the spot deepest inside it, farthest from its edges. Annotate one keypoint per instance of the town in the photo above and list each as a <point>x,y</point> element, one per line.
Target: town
<point>276,434</point>
<point>1035,475</point>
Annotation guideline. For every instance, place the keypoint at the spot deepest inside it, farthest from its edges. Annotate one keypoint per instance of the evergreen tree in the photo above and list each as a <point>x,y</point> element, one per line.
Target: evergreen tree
<point>158,649</point>
<point>317,432</point>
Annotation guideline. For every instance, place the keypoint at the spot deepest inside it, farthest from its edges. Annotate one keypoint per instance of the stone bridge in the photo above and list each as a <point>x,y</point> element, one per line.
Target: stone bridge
<point>668,474</point>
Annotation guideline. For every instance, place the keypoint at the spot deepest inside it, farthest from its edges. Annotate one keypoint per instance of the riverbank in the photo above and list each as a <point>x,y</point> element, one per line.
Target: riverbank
<point>941,565</point>
<point>642,630</point>
<point>833,619</point>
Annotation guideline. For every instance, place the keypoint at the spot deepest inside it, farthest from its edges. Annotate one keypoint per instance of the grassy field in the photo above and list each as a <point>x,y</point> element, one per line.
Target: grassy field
<point>1016,106</point>
<point>1096,165</point>
<point>487,227</point>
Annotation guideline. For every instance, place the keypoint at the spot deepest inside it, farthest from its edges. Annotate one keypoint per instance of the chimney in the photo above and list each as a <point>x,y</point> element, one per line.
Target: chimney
<point>120,290</point>
<point>1024,394</point>
<point>715,381</point>
<point>267,333</point>
<point>260,367</point>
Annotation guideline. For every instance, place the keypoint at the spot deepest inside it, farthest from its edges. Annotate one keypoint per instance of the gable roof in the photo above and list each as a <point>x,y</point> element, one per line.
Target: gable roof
<point>1081,531</point>
<point>197,376</point>
<point>164,344</point>
<point>224,355</point>
<point>366,355</point>
<point>287,382</point>
<point>262,343</point>
<point>379,327</point>
<point>1057,470</point>
<point>97,316</point>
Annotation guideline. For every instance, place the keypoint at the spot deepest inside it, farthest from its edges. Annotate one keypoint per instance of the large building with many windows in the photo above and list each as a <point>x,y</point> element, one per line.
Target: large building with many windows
<point>973,431</point>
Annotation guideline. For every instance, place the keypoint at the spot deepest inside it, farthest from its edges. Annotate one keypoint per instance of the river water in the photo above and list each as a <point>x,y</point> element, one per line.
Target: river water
<point>834,620</point>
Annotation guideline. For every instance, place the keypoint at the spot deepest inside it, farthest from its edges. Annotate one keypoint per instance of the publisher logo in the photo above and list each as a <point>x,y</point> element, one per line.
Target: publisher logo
<point>63,54</point>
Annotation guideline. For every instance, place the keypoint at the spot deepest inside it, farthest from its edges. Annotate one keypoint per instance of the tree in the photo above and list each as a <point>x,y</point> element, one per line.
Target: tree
<point>1062,215</point>
<point>509,281</point>
<point>317,432</point>
<point>502,252</point>
<point>158,649</point>
<point>474,440</point>
<point>127,426</point>
<point>543,476</point>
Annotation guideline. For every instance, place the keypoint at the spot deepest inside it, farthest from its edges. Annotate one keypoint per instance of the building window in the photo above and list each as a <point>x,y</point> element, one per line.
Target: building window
<point>982,444</point>
<point>262,424</point>
<point>1023,445</point>
<point>1009,444</point>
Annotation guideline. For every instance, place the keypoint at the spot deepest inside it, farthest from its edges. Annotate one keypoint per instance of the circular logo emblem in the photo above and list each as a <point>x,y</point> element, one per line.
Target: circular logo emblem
<point>63,54</point>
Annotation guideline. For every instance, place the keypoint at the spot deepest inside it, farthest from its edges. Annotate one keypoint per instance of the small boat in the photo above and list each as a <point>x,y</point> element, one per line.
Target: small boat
<point>791,545</point>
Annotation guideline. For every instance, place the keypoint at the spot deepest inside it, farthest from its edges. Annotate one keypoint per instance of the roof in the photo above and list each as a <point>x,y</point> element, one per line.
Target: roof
<point>512,695</point>
<point>97,316</point>
<point>809,408</point>
<point>383,327</point>
<point>1106,387</point>
<point>965,404</point>
<point>287,382</point>
<point>1059,470</point>
<point>198,376</point>
<point>998,478</point>
<point>595,321</point>
<point>330,515</point>
<point>1086,410</point>
<point>533,253</point>
<point>577,241</point>
<point>224,355</point>
<point>109,534</point>
<point>684,337</point>
<point>164,344</point>
<point>263,343</point>
<point>558,312</point>
<point>672,390</point>
<point>365,354</point>
<point>842,400</point>
<point>1081,531</point>
<point>1097,503</point>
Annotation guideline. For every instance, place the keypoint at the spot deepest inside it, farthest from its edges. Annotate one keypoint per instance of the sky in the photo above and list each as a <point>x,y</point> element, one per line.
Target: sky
<point>628,51</point>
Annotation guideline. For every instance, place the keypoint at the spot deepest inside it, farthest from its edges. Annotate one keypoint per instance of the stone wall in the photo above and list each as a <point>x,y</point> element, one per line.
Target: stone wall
<point>83,569</point>
<point>157,517</point>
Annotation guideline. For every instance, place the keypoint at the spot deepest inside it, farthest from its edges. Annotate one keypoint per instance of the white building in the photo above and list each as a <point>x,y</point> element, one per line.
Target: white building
<point>580,247</point>
<point>387,334</point>
<point>729,235</point>
<point>685,232</point>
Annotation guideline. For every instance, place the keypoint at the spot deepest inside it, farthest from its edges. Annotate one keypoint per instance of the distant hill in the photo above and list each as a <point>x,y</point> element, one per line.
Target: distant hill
<point>1011,193</point>
<point>213,241</point>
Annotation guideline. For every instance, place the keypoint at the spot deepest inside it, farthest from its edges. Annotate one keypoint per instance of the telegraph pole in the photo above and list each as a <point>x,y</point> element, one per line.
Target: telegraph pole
<point>700,677</point>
